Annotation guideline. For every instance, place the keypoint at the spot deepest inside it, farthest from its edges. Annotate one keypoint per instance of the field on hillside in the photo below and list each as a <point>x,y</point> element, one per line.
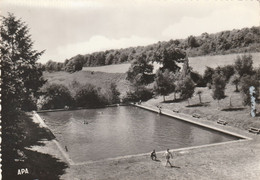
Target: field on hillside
<point>99,79</point>
<point>102,76</point>
<point>197,63</point>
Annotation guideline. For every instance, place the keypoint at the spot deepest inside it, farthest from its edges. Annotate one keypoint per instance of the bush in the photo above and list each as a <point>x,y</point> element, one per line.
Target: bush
<point>89,96</point>
<point>227,71</point>
<point>186,88</point>
<point>56,96</point>
<point>141,93</point>
<point>197,79</point>
<point>208,73</point>
<point>112,94</point>
<point>218,87</point>
<point>244,65</point>
<point>245,83</point>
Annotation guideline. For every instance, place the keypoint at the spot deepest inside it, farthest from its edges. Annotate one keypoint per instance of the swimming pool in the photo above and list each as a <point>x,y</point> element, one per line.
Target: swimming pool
<point>95,134</point>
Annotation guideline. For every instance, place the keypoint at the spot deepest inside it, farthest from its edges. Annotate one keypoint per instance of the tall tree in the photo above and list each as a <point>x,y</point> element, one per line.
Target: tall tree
<point>113,94</point>
<point>140,71</point>
<point>169,57</point>
<point>245,83</point>
<point>186,88</point>
<point>164,83</point>
<point>244,65</point>
<point>218,86</point>
<point>21,77</point>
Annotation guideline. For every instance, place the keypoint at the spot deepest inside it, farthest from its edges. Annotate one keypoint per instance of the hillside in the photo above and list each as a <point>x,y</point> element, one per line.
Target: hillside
<point>99,79</point>
<point>102,76</point>
<point>226,42</point>
<point>198,64</point>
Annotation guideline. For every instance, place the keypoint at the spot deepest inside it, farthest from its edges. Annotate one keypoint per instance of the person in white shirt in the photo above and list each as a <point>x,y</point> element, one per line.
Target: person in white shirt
<point>168,156</point>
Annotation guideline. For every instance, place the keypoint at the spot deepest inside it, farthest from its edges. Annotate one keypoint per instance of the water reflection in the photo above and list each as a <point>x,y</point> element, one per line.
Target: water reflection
<point>118,131</point>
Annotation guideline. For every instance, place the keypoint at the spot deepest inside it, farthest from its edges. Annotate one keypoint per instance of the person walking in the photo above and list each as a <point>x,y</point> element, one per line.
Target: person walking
<point>153,155</point>
<point>168,156</point>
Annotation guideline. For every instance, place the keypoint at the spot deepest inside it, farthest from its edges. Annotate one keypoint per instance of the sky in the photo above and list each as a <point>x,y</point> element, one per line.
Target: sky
<point>65,28</point>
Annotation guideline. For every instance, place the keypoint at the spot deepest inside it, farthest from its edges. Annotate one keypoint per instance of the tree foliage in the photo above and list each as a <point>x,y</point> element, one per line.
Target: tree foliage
<point>208,73</point>
<point>89,96</point>
<point>218,86</point>
<point>21,76</point>
<point>164,83</point>
<point>113,94</point>
<point>140,71</point>
<point>56,96</point>
<point>235,79</point>
<point>167,52</point>
<point>138,93</point>
<point>244,65</point>
<point>186,88</point>
<point>245,82</point>
<point>169,57</point>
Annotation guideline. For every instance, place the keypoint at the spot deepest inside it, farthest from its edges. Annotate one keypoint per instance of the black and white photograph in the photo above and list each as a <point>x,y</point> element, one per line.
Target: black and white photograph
<point>130,89</point>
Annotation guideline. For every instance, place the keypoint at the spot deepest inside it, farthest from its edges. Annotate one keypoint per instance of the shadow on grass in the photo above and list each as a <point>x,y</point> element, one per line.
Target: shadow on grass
<point>199,105</point>
<point>38,165</point>
<point>233,109</point>
<point>175,167</point>
<point>173,101</point>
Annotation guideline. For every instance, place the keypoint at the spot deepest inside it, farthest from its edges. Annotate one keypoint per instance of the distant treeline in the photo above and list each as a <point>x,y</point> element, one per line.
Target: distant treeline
<point>225,42</point>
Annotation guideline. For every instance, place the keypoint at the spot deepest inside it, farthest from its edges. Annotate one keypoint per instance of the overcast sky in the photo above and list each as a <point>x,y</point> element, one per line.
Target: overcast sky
<point>65,28</point>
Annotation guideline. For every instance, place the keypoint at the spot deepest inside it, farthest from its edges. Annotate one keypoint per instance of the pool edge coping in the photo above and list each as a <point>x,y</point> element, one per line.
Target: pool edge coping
<point>194,122</point>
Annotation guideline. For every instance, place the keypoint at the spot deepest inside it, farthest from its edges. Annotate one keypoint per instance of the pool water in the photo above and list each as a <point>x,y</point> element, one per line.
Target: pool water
<point>95,134</point>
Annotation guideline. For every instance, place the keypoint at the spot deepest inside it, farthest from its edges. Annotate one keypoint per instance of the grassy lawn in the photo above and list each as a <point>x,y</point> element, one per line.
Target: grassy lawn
<point>213,110</point>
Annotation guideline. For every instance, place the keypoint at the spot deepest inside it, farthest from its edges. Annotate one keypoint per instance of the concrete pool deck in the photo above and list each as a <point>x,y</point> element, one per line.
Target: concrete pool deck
<point>231,160</point>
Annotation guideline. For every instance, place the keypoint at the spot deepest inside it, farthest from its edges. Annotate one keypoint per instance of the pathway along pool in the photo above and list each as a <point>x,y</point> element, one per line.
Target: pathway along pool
<point>124,130</point>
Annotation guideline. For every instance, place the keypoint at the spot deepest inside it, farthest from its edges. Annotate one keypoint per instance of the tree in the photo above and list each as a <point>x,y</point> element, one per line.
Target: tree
<point>89,96</point>
<point>192,42</point>
<point>227,71</point>
<point>164,83</point>
<point>56,96</point>
<point>113,94</point>
<point>235,79</point>
<point>245,83</point>
<point>75,64</point>
<point>140,71</point>
<point>208,73</point>
<point>244,65</point>
<point>218,86</point>
<point>186,88</point>
<point>169,57</point>
<point>139,93</point>
<point>21,76</point>
<point>199,93</point>
<point>21,79</point>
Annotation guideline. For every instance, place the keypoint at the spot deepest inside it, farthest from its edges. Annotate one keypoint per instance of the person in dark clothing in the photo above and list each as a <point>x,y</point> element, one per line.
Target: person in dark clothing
<point>153,155</point>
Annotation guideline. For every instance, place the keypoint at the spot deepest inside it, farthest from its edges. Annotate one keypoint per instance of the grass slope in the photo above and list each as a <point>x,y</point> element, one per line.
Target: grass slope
<point>212,110</point>
<point>197,63</point>
<point>99,79</point>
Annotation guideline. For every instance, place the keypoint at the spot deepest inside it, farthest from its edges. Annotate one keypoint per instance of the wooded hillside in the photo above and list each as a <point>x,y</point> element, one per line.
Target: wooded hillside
<point>225,42</point>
